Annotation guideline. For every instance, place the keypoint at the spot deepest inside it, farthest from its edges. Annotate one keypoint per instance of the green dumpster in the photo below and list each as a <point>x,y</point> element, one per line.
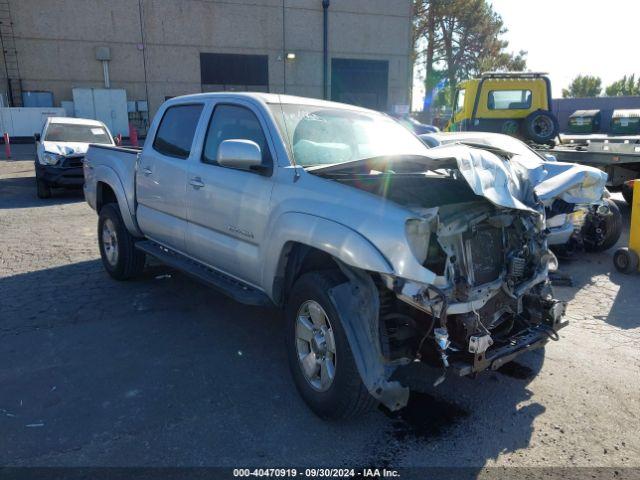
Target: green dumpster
<point>625,122</point>
<point>584,121</point>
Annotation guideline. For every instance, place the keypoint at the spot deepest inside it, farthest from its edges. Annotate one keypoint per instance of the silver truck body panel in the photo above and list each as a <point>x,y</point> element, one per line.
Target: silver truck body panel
<point>244,223</point>
<point>118,175</point>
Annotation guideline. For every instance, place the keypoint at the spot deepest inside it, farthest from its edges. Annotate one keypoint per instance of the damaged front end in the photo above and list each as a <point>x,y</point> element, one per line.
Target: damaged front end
<point>478,231</point>
<point>491,299</point>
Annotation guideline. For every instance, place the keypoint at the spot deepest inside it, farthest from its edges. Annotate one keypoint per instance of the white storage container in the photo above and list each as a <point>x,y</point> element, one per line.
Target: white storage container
<point>109,105</point>
<point>25,121</point>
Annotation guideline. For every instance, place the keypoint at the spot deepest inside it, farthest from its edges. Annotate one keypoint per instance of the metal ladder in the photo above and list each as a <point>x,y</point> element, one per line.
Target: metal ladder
<point>10,56</point>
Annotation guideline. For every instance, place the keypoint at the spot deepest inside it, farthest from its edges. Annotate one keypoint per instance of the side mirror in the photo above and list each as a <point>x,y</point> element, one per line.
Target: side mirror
<point>36,137</point>
<point>241,154</point>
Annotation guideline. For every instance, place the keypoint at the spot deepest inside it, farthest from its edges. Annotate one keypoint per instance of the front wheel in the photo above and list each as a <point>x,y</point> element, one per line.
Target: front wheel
<point>320,358</point>
<point>601,232</point>
<point>117,246</point>
<point>43,190</point>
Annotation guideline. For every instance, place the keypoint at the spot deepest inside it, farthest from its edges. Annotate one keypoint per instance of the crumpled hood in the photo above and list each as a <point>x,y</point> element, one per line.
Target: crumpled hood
<point>65,148</point>
<point>517,182</point>
<point>487,175</point>
<point>509,183</point>
<point>570,182</point>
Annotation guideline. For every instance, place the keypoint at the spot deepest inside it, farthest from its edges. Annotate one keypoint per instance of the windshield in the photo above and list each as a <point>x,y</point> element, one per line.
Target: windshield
<point>326,135</point>
<point>72,132</point>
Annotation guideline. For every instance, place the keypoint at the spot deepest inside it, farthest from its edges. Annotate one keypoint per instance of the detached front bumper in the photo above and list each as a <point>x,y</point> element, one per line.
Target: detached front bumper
<point>60,176</point>
<point>495,357</point>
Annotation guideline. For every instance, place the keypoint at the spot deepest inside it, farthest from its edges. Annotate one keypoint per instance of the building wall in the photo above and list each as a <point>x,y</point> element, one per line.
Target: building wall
<point>156,44</point>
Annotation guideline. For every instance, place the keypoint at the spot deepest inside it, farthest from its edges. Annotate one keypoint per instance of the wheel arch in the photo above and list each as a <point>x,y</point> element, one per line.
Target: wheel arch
<point>298,241</point>
<point>295,260</point>
<point>109,189</point>
<point>104,195</point>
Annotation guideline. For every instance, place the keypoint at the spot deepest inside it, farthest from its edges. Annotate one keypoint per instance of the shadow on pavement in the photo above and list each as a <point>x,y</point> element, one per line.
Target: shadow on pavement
<point>20,192</point>
<point>19,151</point>
<point>164,371</point>
<point>596,270</point>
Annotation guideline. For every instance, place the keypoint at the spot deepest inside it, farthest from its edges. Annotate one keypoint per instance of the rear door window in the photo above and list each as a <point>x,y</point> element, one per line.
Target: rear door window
<point>177,129</point>
<point>509,100</point>
<point>233,122</point>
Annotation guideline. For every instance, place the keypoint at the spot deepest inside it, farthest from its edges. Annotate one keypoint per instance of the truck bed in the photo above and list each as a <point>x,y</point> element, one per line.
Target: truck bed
<point>619,158</point>
<point>123,163</point>
<point>598,153</point>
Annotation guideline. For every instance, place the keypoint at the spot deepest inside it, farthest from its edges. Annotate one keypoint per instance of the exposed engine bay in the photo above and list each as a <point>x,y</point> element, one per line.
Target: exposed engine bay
<point>491,293</point>
<point>479,227</point>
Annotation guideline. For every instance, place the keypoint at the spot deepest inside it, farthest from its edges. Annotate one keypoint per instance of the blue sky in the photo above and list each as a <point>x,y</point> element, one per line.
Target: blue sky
<point>566,38</point>
<point>571,37</point>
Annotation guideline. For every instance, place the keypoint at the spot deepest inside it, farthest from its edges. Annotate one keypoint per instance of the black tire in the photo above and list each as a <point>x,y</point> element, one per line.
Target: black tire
<point>625,260</point>
<point>129,261</point>
<point>43,190</point>
<point>541,127</point>
<point>347,397</point>
<point>612,226</point>
<point>627,194</point>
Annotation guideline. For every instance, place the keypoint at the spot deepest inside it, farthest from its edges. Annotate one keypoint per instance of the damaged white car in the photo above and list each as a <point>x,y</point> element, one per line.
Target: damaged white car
<point>60,150</point>
<point>595,226</point>
<point>382,252</point>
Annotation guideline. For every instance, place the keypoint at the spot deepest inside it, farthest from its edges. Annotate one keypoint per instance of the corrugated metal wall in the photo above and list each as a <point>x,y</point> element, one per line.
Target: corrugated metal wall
<point>564,107</point>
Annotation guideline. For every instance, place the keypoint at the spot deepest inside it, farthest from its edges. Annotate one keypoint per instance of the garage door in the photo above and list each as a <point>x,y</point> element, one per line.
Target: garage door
<point>225,71</point>
<point>360,82</point>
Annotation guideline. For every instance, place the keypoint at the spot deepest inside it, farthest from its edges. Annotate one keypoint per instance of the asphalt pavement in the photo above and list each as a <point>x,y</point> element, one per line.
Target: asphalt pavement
<point>162,371</point>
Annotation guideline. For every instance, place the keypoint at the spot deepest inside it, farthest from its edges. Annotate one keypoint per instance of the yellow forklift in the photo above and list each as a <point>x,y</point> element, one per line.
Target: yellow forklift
<point>513,103</point>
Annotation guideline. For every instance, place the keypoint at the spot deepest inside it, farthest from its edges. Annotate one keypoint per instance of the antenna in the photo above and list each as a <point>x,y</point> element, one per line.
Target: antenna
<point>288,140</point>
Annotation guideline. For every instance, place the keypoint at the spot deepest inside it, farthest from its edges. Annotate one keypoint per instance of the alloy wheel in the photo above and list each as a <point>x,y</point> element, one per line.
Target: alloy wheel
<point>315,346</point>
<point>110,242</point>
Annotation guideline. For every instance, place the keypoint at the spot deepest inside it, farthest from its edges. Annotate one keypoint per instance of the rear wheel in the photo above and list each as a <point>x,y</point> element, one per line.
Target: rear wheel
<point>117,246</point>
<point>541,126</point>
<point>320,358</point>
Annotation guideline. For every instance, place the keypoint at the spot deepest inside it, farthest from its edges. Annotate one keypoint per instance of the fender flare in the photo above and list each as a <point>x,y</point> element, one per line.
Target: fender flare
<point>109,177</point>
<point>357,304</point>
<point>338,240</point>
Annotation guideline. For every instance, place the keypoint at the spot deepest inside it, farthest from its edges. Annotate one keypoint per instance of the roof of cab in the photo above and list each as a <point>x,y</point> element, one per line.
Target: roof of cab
<point>266,98</point>
<point>76,121</point>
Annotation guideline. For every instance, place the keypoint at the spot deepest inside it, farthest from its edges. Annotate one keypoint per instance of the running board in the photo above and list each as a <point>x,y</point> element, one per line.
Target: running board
<point>239,291</point>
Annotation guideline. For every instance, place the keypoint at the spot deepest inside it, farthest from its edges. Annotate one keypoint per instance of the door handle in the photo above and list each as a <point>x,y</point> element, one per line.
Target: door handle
<point>147,171</point>
<point>196,182</point>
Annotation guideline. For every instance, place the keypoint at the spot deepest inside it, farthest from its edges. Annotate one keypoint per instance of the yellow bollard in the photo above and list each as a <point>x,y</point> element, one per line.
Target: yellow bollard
<point>627,260</point>
<point>634,228</point>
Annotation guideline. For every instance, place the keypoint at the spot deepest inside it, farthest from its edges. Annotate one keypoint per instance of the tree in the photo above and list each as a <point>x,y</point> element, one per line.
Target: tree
<point>459,39</point>
<point>583,86</point>
<point>624,86</point>
<point>504,62</point>
<point>426,38</point>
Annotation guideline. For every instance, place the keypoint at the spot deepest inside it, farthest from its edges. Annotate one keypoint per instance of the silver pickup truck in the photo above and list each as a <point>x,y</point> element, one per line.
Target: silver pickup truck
<point>381,251</point>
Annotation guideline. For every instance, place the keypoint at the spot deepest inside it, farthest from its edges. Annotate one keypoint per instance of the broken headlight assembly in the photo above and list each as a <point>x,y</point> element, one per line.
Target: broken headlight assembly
<point>417,232</point>
<point>49,158</point>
